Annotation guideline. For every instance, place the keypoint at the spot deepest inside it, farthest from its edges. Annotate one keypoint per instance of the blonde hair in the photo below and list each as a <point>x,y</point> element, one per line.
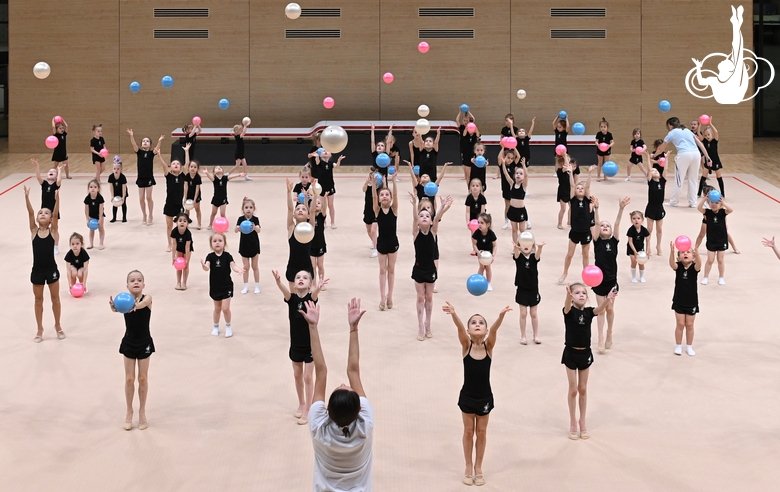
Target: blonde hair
<point>93,181</point>
<point>211,238</point>
<point>237,129</point>
<point>135,271</point>
<point>248,200</point>
<point>637,212</point>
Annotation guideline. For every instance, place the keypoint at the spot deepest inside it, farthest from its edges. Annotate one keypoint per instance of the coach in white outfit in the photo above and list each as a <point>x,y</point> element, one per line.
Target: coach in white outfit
<point>686,161</point>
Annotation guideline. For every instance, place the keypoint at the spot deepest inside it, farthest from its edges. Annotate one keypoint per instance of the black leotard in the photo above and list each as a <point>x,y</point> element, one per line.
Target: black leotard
<point>476,396</point>
<point>299,259</point>
<point>387,239</point>
<point>137,342</point>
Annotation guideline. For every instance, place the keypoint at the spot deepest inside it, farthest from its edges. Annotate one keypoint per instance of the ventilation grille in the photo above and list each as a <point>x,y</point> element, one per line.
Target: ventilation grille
<point>312,33</point>
<point>578,12</point>
<point>181,34</point>
<point>578,34</point>
<point>446,33</point>
<point>320,12</point>
<point>181,12</point>
<point>445,12</point>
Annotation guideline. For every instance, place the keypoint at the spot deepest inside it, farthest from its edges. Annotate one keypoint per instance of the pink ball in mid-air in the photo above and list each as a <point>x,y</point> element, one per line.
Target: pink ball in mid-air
<point>662,161</point>
<point>103,152</point>
<point>592,275</point>
<point>560,150</point>
<point>603,146</point>
<point>220,224</point>
<point>58,120</point>
<point>51,142</point>
<point>423,47</point>
<point>704,119</point>
<point>77,290</point>
<point>510,143</point>
<point>328,102</point>
<point>196,120</point>
<point>473,225</point>
<point>471,128</point>
<point>388,77</point>
<point>180,263</point>
<point>682,243</point>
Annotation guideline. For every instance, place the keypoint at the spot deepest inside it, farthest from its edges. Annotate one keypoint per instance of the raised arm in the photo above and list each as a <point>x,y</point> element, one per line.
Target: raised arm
<point>312,316</point>
<point>587,183</point>
<point>525,173</point>
<point>313,207</point>
<point>510,179</point>
<point>567,300</point>
<point>165,167</point>
<point>436,141</point>
<point>132,139</point>
<point>186,148</point>
<point>770,243</point>
<point>714,130</point>
<point>726,206</point>
<point>491,340</point>
<point>30,211</point>
<point>159,143</point>
<point>318,286</point>
<point>55,219</point>
<point>373,139</point>
<point>603,304</point>
<point>443,172</point>
<point>672,258</point>
<point>37,168</point>
<point>539,247</point>
<point>290,206</point>
<point>415,180</point>
<point>531,130</point>
<point>354,313</point>
<point>696,260</point>
<point>463,336</point>
<point>555,123</point>
<point>415,228</point>
<point>393,187</point>
<point>623,202</point>
<point>700,206</point>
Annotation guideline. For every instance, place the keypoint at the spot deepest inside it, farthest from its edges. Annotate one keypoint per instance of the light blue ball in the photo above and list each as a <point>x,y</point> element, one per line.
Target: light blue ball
<point>431,189</point>
<point>664,106</point>
<point>135,86</point>
<point>246,226</point>
<point>480,161</point>
<point>714,196</point>
<point>378,178</point>
<point>319,151</point>
<point>224,104</point>
<point>562,114</point>
<point>124,302</point>
<point>167,81</point>
<point>383,160</point>
<point>94,224</point>
<point>609,169</point>
<point>464,108</point>
<point>578,128</point>
<point>477,284</point>
<point>416,170</point>
<point>301,197</point>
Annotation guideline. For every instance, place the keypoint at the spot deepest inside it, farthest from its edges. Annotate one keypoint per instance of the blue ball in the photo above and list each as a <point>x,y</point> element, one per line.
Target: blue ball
<point>167,81</point>
<point>480,161</point>
<point>378,178</point>
<point>714,196</point>
<point>431,189</point>
<point>391,170</point>
<point>562,114</point>
<point>383,160</point>
<point>416,170</point>
<point>94,224</point>
<point>476,284</point>
<point>578,128</point>
<point>464,108</point>
<point>124,302</point>
<point>135,86</point>
<point>664,106</point>
<point>609,169</point>
<point>224,104</point>
<point>319,151</point>
<point>301,197</point>
<point>246,226</point>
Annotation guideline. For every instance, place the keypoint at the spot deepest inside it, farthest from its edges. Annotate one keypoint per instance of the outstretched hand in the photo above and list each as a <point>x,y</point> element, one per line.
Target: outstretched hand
<point>504,311</point>
<point>769,243</point>
<point>312,313</point>
<point>448,308</point>
<point>354,313</point>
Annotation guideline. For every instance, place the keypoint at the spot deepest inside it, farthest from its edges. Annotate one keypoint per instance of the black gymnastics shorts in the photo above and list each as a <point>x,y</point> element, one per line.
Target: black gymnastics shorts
<point>603,154</point>
<point>517,214</point>
<point>138,351</point>
<point>475,406</point>
<point>527,299</point>
<point>297,354</point>
<point>145,182</point>
<point>387,247</point>
<point>368,216</point>
<point>318,250</point>
<point>564,195</point>
<point>717,246</point>
<point>96,158</point>
<point>582,238</point>
<point>43,278</point>
<point>59,158</point>
<point>221,295</point>
<point>635,159</point>
<point>577,360</point>
<point>605,286</point>
<point>172,210</point>
<point>715,166</point>
<point>655,213</point>
<point>218,202</point>
<point>424,276</point>
<point>691,311</point>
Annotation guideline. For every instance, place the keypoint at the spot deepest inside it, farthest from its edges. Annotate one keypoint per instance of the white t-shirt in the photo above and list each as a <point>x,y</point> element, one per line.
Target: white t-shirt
<point>683,139</point>
<point>342,463</point>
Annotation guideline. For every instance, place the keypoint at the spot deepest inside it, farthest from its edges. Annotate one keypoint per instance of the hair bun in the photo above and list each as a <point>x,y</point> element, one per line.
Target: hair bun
<point>117,160</point>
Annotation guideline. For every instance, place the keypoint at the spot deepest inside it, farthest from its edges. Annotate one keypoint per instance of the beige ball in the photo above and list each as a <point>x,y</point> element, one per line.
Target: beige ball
<point>41,70</point>
<point>526,239</point>
<point>334,139</point>
<point>641,258</point>
<point>292,11</point>
<point>422,126</point>
<point>246,121</point>
<point>423,111</point>
<point>485,258</point>
<point>318,188</point>
<point>521,94</point>
<point>189,205</point>
<point>304,232</point>
<point>116,201</point>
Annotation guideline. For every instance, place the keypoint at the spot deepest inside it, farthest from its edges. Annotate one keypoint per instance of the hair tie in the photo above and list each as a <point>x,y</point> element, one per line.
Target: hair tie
<point>117,160</point>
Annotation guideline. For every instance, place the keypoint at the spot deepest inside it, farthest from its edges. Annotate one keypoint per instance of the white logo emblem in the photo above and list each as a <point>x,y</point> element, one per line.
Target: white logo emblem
<point>730,83</point>
<point>148,349</point>
<point>609,248</point>
<point>582,319</point>
<point>217,263</point>
<point>487,408</point>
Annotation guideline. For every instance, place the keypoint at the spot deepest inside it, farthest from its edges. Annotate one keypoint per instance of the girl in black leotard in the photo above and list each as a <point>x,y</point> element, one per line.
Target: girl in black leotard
<point>580,206</point>
<point>325,170</point>
<point>318,247</point>
<point>219,201</point>
<point>476,397</point>
<point>385,202</point>
<point>193,185</point>
<point>517,214</point>
<point>369,217</point>
<point>145,180</point>
<point>174,193</point>
<point>299,259</point>
<point>137,346</point>
<point>43,227</point>
<point>239,131</point>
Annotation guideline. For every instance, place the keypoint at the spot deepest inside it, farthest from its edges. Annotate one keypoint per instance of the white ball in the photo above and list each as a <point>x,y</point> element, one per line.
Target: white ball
<point>521,94</point>
<point>41,70</point>
<point>334,139</point>
<point>116,201</point>
<point>318,188</point>
<point>304,232</point>
<point>423,111</point>
<point>526,239</point>
<point>292,11</point>
<point>189,205</point>
<point>422,126</point>
<point>485,258</point>
<point>641,258</point>
<point>246,121</point>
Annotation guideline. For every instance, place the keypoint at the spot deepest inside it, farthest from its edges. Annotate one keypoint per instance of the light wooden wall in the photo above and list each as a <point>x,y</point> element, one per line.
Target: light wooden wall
<point>96,48</point>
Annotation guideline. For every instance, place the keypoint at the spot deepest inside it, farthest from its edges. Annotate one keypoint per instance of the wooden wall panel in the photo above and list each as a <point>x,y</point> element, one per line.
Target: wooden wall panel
<point>454,71</point>
<point>291,77</point>
<point>79,39</point>
<point>673,33</point>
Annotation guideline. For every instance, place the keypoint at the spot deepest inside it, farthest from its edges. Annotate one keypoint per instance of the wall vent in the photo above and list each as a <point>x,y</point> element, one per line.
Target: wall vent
<point>181,12</point>
<point>578,12</point>
<point>445,12</point>
<point>578,34</point>
<point>320,12</point>
<point>445,33</point>
<point>312,33</point>
<point>181,34</point>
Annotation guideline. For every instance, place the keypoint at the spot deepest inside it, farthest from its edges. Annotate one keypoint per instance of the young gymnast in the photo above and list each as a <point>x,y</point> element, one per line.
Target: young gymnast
<point>477,172</point>
<point>561,129</point>
<point>581,208</point>
<point>239,131</point>
<point>654,211</point>
<point>300,343</point>
<point>717,237</point>
<point>97,144</point>
<point>49,187</point>
<point>418,184</point>
<point>182,238</point>
<point>424,230</point>
<point>342,431</point>
<point>509,129</point>
<point>392,149</point>
<point>639,241</point>
<point>145,180</point>
<point>43,226</point>
<point>304,185</point>
<point>192,187</point>
<point>174,193</point>
<point>136,347</point>
<point>369,217</point>
<point>191,131</point>
<point>484,239</point>
<point>467,142</point>
<point>603,137</point>
<point>476,396</point>
<point>429,204</point>
<point>710,143</point>
<point>385,203</point>
<point>605,248</point>
<point>517,213</point>
<point>249,244</point>
<point>685,302</point>
<point>770,243</point>
<point>299,258</point>
<point>564,187</point>
<point>429,155</point>
<point>656,161</point>
<point>577,354</point>
<point>77,260</point>
<point>315,146</point>
<point>636,159</point>
<point>93,209</point>
<point>509,159</point>
<point>475,204</point>
<point>219,201</point>
<point>325,172</point>
<point>219,263</point>
<point>60,154</point>
<point>318,246</point>
<point>381,148</point>
<point>415,147</point>
<point>118,182</point>
<point>524,142</point>
<point>527,283</point>
<point>703,231</point>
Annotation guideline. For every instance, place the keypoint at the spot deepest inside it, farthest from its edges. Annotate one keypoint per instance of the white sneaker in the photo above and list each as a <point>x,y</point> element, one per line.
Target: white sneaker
<point>506,224</point>
<point>228,332</point>
<point>247,178</point>
<point>705,281</point>
<point>690,350</point>
<point>633,280</point>
<point>374,253</point>
<point>678,350</point>
<point>721,281</point>
<point>490,288</point>
<point>56,250</point>
<point>215,332</point>
<point>245,289</point>
<point>628,178</point>
<point>642,279</point>
<point>257,290</point>
<point>528,224</point>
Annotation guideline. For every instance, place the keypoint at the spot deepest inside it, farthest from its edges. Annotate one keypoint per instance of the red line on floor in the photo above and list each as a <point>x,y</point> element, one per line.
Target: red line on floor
<point>756,189</point>
<point>14,186</point>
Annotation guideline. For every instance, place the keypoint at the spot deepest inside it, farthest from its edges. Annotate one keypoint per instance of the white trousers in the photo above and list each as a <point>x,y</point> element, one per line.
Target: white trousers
<point>686,168</point>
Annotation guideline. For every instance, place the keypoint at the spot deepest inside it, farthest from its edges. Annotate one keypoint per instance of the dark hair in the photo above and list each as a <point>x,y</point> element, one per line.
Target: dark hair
<point>180,215</point>
<point>657,143</point>
<point>343,408</point>
<point>674,122</point>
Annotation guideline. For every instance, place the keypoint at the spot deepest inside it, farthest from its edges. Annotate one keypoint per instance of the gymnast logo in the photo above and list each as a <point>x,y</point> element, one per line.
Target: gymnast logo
<point>487,408</point>
<point>730,83</point>
<point>582,319</point>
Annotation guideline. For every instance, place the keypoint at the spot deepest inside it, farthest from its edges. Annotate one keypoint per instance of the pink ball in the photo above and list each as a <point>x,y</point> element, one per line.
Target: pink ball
<point>704,119</point>
<point>471,128</point>
<point>220,224</point>
<point>180,263</point>
<point>103,153</point>
<point>196,120</point>
<point>560,150</point>
<point>473,225</point>
<point>328,102</point>
<point>639,150</point>
<point>662,161</point>
<point>388,77</point>
<point>592,275</point>
<point>77,290</point>
<point>58,119</point>
<point>51,142</point>
<point>682,243</point>
<point>510,143</point>
<point>603,146</point>
<point>423,47</point>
